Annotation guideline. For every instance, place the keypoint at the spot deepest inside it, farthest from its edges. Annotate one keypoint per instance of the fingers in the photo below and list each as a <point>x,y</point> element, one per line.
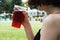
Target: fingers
<point>25,14</point>
<point>15,9</point>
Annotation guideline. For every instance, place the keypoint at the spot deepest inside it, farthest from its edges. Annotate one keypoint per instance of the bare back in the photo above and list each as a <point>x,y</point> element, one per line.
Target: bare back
<point>51,27</point>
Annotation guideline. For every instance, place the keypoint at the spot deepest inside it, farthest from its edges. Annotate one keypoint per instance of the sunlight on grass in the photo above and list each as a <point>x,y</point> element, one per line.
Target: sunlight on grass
<point>7,32</point>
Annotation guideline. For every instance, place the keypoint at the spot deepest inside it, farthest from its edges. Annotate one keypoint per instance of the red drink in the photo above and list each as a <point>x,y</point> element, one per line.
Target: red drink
<point>18,18</point>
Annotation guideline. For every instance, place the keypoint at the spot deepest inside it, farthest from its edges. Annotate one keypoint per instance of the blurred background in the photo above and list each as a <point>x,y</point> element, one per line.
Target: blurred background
<point>35,16</point>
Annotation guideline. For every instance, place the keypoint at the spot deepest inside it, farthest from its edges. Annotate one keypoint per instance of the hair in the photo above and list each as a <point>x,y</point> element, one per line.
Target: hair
<point>55,3</point>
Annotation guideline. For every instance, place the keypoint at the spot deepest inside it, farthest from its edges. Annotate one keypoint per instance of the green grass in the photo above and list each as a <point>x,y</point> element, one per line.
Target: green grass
<point>7,32</point>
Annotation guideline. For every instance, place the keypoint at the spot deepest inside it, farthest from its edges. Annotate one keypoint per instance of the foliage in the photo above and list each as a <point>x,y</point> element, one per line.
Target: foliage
<point>7,5</point>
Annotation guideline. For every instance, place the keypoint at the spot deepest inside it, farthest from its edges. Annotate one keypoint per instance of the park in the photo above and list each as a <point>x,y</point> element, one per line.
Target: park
<point>35,17</point>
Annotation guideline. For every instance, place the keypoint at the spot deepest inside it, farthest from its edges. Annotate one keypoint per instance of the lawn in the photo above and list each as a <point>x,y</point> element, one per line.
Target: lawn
<point>7,32</point>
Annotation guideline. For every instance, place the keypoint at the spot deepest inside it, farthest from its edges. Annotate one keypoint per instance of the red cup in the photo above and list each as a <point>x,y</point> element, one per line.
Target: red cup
<point>18,18</point>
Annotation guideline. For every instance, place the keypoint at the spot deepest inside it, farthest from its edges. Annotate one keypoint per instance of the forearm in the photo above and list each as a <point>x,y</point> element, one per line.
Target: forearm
<point>28,30</point>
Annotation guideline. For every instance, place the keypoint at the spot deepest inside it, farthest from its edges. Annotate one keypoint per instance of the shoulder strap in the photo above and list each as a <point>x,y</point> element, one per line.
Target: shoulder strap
<point>37,37</point>
<point>58,37</point>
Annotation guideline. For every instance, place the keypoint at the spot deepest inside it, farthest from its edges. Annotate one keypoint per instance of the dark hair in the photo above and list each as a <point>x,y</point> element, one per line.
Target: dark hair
<point>45,2</point>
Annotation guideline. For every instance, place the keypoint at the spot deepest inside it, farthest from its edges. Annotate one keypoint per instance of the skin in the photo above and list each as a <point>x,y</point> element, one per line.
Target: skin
<point>51,24</point>
<point>28,28</point>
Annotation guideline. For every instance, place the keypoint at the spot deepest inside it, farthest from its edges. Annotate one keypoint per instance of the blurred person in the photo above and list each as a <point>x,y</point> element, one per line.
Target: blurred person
<point>5,15</point>
<point>51,24</point>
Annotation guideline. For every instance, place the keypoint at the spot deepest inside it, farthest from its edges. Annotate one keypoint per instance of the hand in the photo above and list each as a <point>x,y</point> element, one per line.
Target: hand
<point>26,21</point>
<point>15,9</point>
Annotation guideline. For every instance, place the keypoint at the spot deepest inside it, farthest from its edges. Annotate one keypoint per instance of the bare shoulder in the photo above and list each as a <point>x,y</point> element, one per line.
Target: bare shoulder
<point>49,18</point>
<point>52,18</point>
<point>51,21</point>
<point>49,31</point>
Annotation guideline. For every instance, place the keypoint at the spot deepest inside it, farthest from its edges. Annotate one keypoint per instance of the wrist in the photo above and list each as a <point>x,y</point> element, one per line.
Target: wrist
<point>26,24</point>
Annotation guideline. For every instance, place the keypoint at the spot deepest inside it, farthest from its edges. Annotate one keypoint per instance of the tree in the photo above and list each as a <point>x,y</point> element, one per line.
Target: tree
<point>4,5</point>
<point>7,5</point>
<point>15,2</point>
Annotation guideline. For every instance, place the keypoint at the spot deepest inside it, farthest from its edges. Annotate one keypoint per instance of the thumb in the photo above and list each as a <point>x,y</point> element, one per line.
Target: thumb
<point>25,14</point>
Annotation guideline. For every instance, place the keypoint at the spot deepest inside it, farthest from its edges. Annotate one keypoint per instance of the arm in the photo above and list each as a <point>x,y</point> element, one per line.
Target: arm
<point>26,25</point>
<point>49,30</point>
<point>28,31</point>
<point>28,28</point>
